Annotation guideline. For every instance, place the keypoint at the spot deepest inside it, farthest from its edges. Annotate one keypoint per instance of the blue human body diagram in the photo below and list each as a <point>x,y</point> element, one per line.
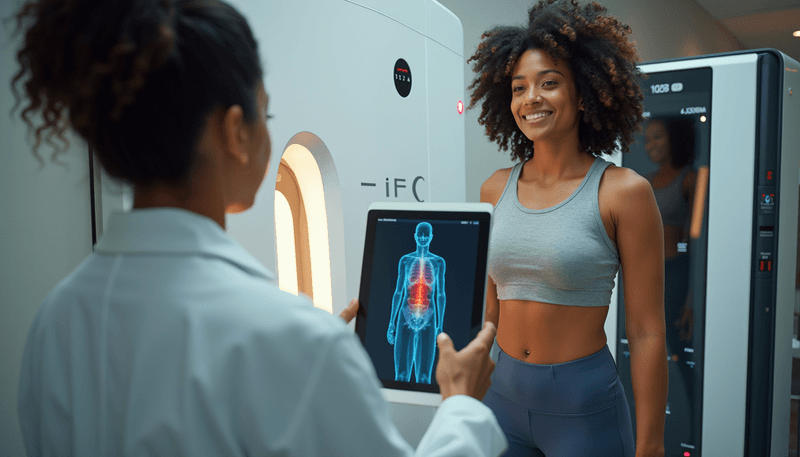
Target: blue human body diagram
<point>418,307</point>
<point>423,274</point>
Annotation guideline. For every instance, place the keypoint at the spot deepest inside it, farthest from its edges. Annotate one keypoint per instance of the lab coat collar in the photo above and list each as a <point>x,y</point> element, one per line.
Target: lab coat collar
<point>174,231</point>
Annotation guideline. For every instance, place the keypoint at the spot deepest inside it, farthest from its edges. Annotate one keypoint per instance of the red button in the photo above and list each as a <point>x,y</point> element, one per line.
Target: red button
<point>762,265</point>
<point>769,265</point>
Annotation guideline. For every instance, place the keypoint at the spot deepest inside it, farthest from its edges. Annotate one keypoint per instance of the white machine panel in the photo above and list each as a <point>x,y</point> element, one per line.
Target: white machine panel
<point>331,75</point>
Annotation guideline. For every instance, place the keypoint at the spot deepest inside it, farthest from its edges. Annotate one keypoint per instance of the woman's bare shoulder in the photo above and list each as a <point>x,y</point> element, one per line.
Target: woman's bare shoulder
<point>625,191</point>
<point>624,182</point>
<point>493,187</point>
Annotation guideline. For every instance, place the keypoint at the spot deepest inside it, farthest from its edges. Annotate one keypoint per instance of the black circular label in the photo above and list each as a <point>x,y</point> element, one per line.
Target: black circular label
<point>402,78</point>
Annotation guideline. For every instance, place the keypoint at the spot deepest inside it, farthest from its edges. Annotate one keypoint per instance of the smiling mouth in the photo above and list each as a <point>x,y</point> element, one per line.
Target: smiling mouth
<point>536,116</point>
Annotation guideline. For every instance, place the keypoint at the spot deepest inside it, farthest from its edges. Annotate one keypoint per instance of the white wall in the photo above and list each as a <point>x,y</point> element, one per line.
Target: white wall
<point>662,29</point>
<point>45,231</point>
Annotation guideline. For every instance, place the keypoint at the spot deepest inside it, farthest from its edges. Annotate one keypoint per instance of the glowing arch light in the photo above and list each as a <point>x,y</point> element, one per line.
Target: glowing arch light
<point>284,231</point>
<point>304,166</point>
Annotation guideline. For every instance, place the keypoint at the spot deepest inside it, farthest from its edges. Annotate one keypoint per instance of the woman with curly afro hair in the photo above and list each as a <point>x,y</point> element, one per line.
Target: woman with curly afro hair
<point>559,93</point>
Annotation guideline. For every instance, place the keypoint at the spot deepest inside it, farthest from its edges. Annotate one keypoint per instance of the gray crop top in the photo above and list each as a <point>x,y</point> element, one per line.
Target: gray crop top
<point>673,205</point>
<point>559,255</point>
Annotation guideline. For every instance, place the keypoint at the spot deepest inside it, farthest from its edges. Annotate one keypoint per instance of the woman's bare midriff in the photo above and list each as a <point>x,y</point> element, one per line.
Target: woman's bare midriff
<point>543,333</point>
<point>673,235</point>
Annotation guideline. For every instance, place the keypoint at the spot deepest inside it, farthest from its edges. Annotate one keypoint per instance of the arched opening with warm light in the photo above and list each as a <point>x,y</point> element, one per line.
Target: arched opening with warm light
<point>301,228</point>
<point>285,233</point>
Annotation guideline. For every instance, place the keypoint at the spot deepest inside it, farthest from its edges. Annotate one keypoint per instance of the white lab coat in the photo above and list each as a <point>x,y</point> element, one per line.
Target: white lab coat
<point>172,340</point>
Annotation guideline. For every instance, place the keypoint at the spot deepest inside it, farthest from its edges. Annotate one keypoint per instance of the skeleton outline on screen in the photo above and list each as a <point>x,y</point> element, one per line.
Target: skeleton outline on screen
<point>417,309</point>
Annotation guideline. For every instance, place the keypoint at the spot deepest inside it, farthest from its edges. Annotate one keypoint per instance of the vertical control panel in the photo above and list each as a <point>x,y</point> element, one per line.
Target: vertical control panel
<point>761,350</point>
<point>765,236</point>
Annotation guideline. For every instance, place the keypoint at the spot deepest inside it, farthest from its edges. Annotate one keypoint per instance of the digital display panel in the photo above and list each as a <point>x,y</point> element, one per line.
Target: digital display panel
<point>422,274</point>
<point>672,153</point>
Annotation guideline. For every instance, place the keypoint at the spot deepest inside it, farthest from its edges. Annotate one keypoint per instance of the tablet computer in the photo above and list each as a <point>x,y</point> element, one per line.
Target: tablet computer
<point>423,272</point>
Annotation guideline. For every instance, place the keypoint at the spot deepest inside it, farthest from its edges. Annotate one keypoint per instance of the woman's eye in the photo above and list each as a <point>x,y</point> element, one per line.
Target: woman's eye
<point>517,89</point>
<point>548,83</point>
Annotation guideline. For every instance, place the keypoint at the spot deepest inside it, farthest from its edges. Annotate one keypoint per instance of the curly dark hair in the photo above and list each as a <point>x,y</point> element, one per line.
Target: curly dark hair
<point>135,78</point>
<point>602,60</point>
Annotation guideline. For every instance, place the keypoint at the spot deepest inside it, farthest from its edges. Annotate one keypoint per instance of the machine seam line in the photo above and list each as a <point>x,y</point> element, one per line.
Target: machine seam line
<point>405,25</point>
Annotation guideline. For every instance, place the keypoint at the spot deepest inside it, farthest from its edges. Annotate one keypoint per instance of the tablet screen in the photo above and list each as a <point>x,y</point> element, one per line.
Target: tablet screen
<point>423,272</point>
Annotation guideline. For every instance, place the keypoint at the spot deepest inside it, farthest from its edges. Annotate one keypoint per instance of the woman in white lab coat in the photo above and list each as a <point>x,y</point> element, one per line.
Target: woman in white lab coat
<point>170,339</point>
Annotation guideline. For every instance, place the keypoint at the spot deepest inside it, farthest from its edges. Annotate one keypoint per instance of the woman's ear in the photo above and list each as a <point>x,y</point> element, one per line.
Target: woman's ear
<point>235,134</point>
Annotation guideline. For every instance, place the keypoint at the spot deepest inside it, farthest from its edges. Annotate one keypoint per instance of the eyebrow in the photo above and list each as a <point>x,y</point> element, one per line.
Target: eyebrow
<point>543,72</point>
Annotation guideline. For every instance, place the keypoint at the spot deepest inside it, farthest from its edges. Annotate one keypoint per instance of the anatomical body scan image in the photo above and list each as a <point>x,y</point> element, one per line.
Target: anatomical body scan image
<point>418,307</point>
<point>408,261</point>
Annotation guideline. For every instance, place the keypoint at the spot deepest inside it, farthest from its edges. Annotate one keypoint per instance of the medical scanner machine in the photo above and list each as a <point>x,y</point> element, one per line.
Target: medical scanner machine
<point>367,92</point>
<point>730,290</point>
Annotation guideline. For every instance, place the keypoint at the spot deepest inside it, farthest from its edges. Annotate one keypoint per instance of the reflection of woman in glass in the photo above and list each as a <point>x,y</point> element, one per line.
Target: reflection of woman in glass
<point>670,145</point>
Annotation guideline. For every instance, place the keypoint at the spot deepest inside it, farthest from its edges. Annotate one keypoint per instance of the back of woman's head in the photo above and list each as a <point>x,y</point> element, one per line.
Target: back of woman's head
<point>135,78</point>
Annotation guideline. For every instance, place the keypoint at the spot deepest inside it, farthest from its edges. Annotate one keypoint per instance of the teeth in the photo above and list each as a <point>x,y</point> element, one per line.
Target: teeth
<point>535,116</point>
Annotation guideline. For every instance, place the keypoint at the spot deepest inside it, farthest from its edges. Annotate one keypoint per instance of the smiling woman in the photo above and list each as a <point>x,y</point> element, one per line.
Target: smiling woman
<point>559,93</point>
<point>604,68</point>
<point>545,102</point>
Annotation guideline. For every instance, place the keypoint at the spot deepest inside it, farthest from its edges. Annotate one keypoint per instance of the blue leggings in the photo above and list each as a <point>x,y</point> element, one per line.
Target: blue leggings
<point>570,409</point>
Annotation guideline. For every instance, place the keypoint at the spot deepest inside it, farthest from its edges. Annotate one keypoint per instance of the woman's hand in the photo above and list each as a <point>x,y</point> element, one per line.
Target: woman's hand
<point>350,312</point>
<point>468,371</point>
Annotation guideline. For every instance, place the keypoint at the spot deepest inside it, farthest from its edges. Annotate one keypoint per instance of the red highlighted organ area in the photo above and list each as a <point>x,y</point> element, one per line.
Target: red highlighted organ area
<point>420,280</point>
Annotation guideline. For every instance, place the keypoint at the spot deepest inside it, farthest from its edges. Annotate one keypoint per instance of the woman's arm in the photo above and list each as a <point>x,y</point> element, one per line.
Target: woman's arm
<point>640,241</point>
<point>492,303</point>
<point>687,191</point>
<point>491,190</point>
<point>341,410</point>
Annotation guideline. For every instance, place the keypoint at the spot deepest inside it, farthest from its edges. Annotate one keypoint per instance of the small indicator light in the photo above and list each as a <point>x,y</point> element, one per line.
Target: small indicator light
<point>703,118</point>
<point>686,454</point>
<point>460,107</point>
<point>769,175</point>
<point>769,265</point>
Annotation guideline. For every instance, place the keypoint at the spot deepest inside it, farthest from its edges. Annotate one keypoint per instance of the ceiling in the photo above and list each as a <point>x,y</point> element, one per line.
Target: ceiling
<point>759,23</point>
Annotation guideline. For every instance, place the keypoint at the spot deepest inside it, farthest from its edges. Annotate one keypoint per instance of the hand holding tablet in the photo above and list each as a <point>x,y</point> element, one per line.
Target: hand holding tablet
<point>469,371</point>
<point>423,273</point>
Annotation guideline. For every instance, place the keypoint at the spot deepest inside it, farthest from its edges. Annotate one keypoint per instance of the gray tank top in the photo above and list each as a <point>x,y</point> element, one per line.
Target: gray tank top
<point>673,205</point>
<point>559,255</point>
